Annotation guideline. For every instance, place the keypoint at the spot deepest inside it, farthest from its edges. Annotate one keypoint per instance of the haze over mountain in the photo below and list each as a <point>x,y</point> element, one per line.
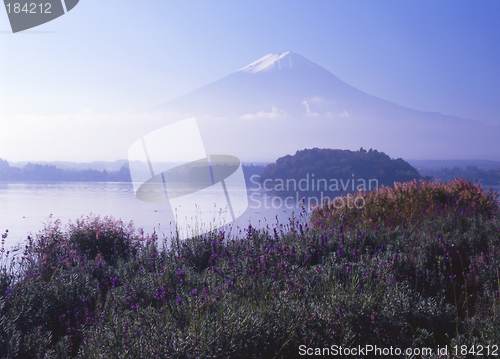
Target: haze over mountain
<point>283,102</point>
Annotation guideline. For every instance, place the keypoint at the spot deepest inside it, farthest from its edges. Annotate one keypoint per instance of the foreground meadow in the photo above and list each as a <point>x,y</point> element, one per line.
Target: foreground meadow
<point>418,266</point>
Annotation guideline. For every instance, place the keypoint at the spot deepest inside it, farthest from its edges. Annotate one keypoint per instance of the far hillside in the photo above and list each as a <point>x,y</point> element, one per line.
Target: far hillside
<point>336,167</point>
<point>489,177</point>
<point>117,171</point>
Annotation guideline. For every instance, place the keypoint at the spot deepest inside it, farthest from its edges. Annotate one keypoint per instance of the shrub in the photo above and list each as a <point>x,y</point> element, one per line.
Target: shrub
<point>111,239</point>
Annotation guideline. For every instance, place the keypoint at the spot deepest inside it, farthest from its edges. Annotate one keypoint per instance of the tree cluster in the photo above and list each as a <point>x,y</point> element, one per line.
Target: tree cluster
<point>472,173</point>
<point>341,164</point>
<point>35,172</point>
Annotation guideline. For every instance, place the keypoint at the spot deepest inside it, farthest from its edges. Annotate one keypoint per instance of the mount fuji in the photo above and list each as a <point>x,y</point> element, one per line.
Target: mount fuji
<point>283,102</point>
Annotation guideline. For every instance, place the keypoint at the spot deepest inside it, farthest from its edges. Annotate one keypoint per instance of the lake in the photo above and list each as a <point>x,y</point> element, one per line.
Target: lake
<point>26,206</point>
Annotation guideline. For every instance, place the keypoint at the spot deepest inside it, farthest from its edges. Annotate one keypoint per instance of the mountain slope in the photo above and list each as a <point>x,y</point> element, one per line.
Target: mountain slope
<point>283,102</point>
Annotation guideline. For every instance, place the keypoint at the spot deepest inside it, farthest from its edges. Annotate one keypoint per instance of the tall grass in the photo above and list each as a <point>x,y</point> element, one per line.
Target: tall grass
<point>409,203</point>
<point>99,288</point>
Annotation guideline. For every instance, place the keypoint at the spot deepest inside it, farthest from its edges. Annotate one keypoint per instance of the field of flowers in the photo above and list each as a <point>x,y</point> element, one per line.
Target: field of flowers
<point>418,266</point>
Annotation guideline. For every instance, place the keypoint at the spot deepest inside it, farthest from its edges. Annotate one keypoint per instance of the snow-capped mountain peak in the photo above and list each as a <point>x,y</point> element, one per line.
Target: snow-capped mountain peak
<point>284,102</point>
<point>285,60</point>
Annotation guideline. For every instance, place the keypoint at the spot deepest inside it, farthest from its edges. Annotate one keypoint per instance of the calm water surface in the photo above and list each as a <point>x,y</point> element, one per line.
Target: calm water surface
<point>26,207</point>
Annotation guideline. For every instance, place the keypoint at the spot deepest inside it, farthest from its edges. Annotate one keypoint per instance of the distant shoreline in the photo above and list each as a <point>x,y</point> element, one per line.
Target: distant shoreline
<point>485,172</point>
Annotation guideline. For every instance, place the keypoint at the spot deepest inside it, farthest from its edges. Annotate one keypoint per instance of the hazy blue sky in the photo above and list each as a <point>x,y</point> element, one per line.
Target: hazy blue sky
<point>113,57</point>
